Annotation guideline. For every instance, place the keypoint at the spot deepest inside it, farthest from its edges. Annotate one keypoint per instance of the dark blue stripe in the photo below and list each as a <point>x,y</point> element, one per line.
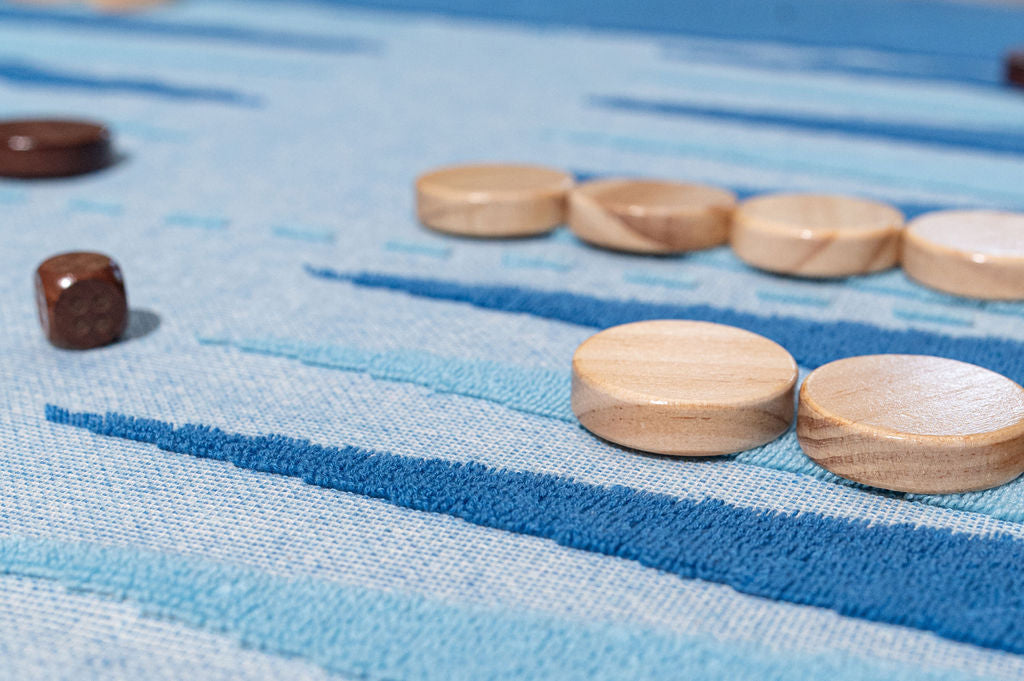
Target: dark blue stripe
<point>985,71</point>
<point>1002,141</point>
<point>30,75</point>
<point>943,28</point>
<point>964,588</point>
<point>909,210</point>
<point>940,68</point>
<point>166,29</point>
<point>811,342</point>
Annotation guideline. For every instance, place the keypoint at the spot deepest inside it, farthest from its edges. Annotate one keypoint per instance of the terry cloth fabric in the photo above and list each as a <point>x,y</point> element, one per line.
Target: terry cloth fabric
<point>336,445</point>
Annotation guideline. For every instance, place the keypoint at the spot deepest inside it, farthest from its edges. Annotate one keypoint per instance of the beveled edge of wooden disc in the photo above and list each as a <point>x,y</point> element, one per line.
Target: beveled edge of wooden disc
<point>694,323</point>
<point>742,215</point>
<point>818,252</point>
<point>699,409</point>
<point>913,235</point>
<point>643,226</point>
<point>432,183</point>
<point>1011,464</point>
<point>948,259</point>
<point>718,197</point>
<point>496,211</point>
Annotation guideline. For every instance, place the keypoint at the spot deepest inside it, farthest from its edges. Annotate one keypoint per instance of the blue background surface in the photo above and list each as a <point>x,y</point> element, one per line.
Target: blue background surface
<point>336,445</point>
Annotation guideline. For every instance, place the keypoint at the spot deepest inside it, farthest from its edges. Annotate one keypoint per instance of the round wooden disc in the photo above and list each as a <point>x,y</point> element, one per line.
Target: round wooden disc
<point>814,235</point>
<point>913,423</point>
<point>495,200</point>
<point>684,388</point>
<point>52,148</point>
<point>649,216</point>
<point>974,253</point>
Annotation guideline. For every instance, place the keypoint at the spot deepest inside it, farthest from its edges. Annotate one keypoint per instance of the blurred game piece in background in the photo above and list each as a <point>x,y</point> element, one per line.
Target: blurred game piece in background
<point>1015,67</point>
<point>36,148</point>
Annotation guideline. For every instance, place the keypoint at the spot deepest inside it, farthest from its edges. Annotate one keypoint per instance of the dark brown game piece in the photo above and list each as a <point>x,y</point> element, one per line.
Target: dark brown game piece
<point>1015,68</point>
<point>81,300</point>
<point>52,148</point>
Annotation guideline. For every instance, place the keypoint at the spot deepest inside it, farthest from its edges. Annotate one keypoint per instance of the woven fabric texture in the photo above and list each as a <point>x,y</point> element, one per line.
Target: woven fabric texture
<point>333,444</point>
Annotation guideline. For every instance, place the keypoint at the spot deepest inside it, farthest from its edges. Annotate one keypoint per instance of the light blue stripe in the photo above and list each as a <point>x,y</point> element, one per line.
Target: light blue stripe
<point>648,279</point>
<point>145,54</point>
<point>865,99</point>
<point>941,318</point>
<point>39,76</point>
<point>201,221</point>
<point>386,635</point>
<point>439,252</point>
<point>534,391</point>
<point>984,178</point>
<point>90,206</point>
<point>546,393</point>
<point>793,298</point>
<point>1004,140</point>
<point>135,26</point>
<point>10,195</point>
<point>836,60</point>
<point>527,262</point>
<point>310,234</point>
<point>150,132</point>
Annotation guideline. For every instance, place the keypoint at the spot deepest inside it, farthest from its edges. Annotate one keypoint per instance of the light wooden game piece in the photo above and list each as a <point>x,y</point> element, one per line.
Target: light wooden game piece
<point>815,235</point>
<point>649,216</point>
<point>974,253</point>
<point>912,423</point>
<point>682,387</point>
<point>497,200</point>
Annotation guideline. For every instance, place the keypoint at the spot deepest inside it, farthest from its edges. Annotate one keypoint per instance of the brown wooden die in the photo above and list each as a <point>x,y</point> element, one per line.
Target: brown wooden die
<point>81,299</point>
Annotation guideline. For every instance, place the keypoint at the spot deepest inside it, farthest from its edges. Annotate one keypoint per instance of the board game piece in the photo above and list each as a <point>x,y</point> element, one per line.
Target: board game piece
<point>973,253</point>
<point>913,423</point>
<point>650,216</point>
<point>816,235</point>
<point>52,148</point>
<point>81,300</point>
<point>493,200</point>
<point>1015,68</point>
<point>683,387</point>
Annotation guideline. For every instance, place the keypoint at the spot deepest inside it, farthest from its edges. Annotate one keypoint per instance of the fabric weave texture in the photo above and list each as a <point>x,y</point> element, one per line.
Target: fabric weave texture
<point>334,444</point>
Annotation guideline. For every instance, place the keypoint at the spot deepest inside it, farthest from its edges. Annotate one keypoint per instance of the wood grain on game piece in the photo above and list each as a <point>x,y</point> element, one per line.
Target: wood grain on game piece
<point>81,300</point>
<point>649,216</point>
<point>495,200</point>
<point>913,423</point>
<point>973,253</point>
<point>682,387</point>
<point>52,148</point>
<point>814,235</point>
<point>1015,68</point>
